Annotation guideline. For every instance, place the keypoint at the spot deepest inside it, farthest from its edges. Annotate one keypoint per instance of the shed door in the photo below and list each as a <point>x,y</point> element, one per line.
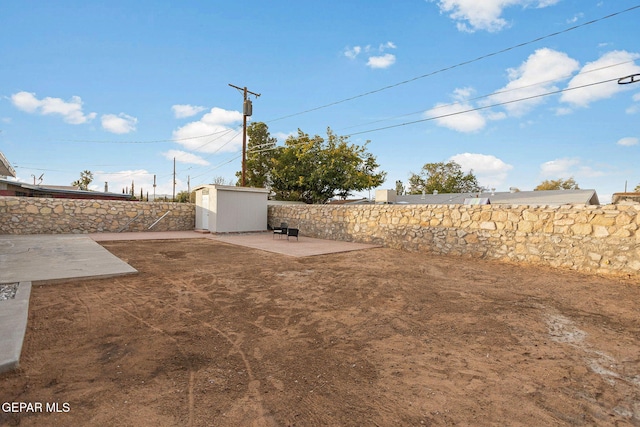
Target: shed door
<point>205,211</point>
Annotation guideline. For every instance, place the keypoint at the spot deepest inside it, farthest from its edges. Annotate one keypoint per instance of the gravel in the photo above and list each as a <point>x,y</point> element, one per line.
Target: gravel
<point>8,291</point>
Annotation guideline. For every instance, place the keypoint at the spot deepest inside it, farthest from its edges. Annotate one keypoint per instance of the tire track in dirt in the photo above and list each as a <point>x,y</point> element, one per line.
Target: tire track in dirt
<point>178,347</point>
<point>252,398</point>
<point>86,308</point>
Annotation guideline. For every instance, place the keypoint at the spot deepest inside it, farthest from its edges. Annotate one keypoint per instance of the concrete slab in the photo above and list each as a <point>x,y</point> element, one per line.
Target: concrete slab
<point>304,246</point>
<point>53,258</point>
<point>13,325</point>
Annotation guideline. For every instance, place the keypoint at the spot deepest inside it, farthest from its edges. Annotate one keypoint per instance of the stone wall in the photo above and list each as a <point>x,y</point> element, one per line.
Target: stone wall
<point>32,215</point>
<point>593,239</point>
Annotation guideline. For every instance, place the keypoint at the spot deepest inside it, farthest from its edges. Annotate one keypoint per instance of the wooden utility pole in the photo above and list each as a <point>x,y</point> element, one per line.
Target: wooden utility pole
<point>247,110</point>
<point>173,199</point>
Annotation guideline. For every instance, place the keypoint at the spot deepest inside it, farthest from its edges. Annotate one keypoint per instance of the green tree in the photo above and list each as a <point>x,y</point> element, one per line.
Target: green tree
<point>314,169</point>
<point>260,152</point>
<point>399,188</point>
<point>86,177</point>
<point>637,189</point>
<point>184,196</point>
<point>443,178</point>
<point>557,184</point>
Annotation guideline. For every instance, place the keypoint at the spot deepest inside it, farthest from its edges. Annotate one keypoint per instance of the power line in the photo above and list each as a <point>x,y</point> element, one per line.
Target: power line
<point>499,92</point>
<point>480,58</point>
<point>94,141</point>
<point>485,107</point>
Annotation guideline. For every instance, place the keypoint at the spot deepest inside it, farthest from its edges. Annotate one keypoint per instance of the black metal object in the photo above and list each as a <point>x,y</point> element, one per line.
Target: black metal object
<point>633,78</point>
<point>292,232</point>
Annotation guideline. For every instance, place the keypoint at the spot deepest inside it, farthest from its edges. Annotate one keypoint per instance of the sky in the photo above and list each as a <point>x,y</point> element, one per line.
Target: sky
<point>517,91</point>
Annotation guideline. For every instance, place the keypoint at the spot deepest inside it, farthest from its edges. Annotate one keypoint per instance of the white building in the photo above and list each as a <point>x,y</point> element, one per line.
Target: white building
<point>230,209</point>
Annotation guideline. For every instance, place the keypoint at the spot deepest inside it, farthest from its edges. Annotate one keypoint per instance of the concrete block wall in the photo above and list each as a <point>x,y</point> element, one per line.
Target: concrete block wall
<point>592,239</point>
<point>33,215</point>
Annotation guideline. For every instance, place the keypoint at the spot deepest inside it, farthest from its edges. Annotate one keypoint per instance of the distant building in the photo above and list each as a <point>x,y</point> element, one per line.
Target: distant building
<point>21,189</point>
<point>531,198</point>
<point>625,198</point>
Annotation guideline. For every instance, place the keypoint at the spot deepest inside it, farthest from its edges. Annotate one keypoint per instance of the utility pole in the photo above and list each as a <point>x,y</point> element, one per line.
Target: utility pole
<point>247,110</point>
<point>173,199</point>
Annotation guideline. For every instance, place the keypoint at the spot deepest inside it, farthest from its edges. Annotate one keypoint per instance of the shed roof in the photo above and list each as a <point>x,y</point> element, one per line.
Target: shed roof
<point>232,188</point>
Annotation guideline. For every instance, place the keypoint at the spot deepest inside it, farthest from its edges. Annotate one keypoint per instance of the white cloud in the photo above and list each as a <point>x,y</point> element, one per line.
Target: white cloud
<point>184,157</point>
<point>71,111</point>
<point>490,170</point>
<point>634,108</point>
<point>376,58</point>
<point>472,15</point>
<point>628,142</point>
<point>185,110</point>
<point>387,45</point>
<point>120,124</point>
<point>459,116</point>
<point>212,133</point>
<point>383,61</point>
<point>352,52</point>
<point>567,168</point>
<point>605,68</point>
<point>536,76</point>
<point>558,168</point>
<point>282,136</point>
<point>575,18</point>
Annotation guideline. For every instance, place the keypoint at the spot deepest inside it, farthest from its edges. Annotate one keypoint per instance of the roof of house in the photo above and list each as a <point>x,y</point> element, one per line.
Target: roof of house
<point>5,167</point>
<point>548,197</point>
<point>63,190</point>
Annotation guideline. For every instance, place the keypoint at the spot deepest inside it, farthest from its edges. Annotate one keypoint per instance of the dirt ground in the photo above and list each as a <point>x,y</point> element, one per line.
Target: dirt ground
<point>211,334</point>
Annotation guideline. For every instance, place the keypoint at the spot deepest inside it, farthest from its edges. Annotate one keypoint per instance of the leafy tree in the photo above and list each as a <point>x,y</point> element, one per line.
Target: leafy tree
<point>86,177</point>
<point>637,189</point>
<point>184,196</point>
<point>399,188</point>
<point>443,178</point>
<point>260,152</point>
<point>558,184</point>
<point>314,169</point>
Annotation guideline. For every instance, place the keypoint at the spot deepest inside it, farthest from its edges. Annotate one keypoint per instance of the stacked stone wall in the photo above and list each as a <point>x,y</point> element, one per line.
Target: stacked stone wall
<point>32,215</point>
<point>593,239</point>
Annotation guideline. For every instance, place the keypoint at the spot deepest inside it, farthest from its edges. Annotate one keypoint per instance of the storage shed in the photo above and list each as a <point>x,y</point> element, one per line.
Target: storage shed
<point>228,209</point>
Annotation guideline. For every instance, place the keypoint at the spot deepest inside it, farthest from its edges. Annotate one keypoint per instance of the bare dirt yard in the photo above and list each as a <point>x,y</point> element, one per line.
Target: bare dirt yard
<point>211,334</point>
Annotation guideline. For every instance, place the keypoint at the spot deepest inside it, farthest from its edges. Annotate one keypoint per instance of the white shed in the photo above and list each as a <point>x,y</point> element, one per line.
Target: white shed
<point>227,209</point>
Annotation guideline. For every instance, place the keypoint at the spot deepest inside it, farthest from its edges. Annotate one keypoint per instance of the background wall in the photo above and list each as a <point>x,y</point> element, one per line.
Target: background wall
<point>32,215</point>
<point>596,239</point>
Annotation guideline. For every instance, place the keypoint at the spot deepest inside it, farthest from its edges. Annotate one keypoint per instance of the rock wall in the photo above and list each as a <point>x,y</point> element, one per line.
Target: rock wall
<point>32,215</point>
<point>593,239</point>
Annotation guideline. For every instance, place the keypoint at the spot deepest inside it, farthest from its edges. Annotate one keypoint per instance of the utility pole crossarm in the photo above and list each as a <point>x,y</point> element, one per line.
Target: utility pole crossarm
<point>244,89</point>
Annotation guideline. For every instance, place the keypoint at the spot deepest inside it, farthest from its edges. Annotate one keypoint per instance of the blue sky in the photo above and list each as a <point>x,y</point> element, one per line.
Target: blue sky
<point>121,88</point>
